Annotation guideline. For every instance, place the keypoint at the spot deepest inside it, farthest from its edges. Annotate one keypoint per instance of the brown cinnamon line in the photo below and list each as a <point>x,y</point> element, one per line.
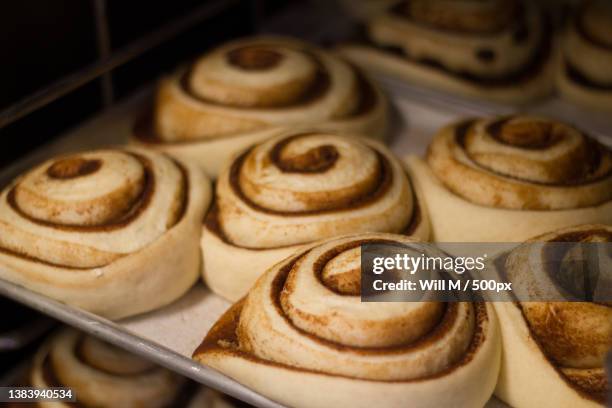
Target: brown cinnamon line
<point>320,86</point>
<point>583,31</point>
<point>144,130</point>
<point>181,213</point>
<point>254,58</point>
<point>383,184</point>
<point>316,160</point>
<point>500,264</point>
<point>213,224</point>
<point>222,339</point>
<point>279,285</point>
<point>73,167</point>
<point>494,129</point>
<point>527,72</point>
<point>595,148</point>
<point>368,97</point>
<point>142,202</point>
<point>401,9</point>
<point>574,74</point>
<point>186,191</point>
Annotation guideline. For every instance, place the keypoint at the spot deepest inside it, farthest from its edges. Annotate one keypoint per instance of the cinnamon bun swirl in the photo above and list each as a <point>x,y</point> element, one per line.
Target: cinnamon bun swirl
<point>553,352</point>
<point>243,91</point>
<point>101,375</point>
<point>297,188</point>
<point>114,232</point>
<point>495,49</point>
<point>302,337</point>
<point>510,178</point>
<point>585,72</point>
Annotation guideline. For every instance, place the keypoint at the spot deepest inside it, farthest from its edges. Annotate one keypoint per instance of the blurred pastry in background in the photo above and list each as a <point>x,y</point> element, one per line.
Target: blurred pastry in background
<point>297,188</point>
<point>498,50</point>
<point>585,70</point>
<point>104,376</point>
<point>553,351</point>
<point>115,232</point>
<point>242,92</point>
<point>507,179</point>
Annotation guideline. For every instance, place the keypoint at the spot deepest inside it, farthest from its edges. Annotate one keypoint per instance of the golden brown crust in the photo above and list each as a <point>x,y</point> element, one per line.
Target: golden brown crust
<point>574,337</point>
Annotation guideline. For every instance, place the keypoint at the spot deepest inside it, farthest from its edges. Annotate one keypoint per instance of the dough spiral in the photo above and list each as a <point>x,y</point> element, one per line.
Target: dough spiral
<point>556,350</point>
<point>112,231</point>
<point>494,49</point>
<point>585,71</point>
<point>303,330</point>
<point>526,175</point>
<point>101,375</point>
<point>298,188</point>
<point>242,92</point>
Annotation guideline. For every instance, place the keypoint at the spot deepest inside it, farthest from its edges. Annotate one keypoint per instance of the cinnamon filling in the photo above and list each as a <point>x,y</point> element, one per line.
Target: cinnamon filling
<point>576,76</point>
<point>381,186</point>
<point>528,135</point>
<point>144,129</point>
<point>212,223</point>
<point>315,160</point>
<point>543,136</point>
<point>253,58</point>
<point>142,203</point>
<point>319,87</point>
<point>73,167</point>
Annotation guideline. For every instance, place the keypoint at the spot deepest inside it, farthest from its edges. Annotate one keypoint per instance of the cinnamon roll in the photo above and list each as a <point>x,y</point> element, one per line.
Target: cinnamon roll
<point>242,92</point>
<point>553,352</point>
<point>101,375</point>
<point>585,72</point>
<point>494,49</point>
<point>302,337</point>
<point>508,179</point>
<point>114,232</point>
<point>298,188</point>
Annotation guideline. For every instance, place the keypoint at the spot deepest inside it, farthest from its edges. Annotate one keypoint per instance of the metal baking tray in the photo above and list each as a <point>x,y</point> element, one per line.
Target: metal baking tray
<point>169,335</point>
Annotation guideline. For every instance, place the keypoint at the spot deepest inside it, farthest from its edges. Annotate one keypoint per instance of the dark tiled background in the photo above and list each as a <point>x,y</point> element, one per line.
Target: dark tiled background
<point>43,40</point>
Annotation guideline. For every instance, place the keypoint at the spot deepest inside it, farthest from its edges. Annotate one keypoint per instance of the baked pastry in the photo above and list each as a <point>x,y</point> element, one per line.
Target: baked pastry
<point>494,49</point>
<point>303,338</point>
<point>297,188</point>
<point>585,71</point>
<point>507,179</point>
<point>114,232</point>
<point>101,375</point>
<point>243,91</point>
<point>553,352</point>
